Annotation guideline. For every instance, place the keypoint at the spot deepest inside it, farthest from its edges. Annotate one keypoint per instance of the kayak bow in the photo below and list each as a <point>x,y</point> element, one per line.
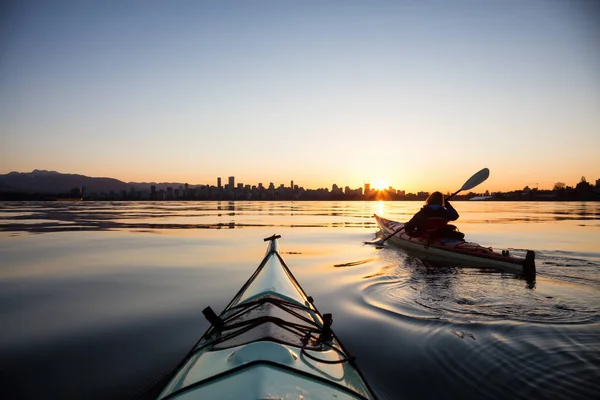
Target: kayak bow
<point>269,342</point>
<point>458,251</point>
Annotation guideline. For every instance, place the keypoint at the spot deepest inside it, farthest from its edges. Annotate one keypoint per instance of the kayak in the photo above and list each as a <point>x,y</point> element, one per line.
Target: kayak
<point>459,252</point>
<point>270,342</point>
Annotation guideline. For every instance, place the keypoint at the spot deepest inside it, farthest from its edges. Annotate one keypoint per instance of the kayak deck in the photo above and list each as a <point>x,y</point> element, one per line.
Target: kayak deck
<point>460,252</point>
<point>269,342</point>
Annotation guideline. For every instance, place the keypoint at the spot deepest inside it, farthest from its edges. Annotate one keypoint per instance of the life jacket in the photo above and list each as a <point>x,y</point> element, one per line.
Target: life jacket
<point>437,227</point>
<point>434,224</point>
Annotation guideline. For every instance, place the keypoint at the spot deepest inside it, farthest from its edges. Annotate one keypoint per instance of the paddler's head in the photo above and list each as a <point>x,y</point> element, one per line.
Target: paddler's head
<point>435,198</point>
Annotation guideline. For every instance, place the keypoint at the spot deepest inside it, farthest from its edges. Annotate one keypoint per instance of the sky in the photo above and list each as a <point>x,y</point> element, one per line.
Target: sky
<point>418,95</point>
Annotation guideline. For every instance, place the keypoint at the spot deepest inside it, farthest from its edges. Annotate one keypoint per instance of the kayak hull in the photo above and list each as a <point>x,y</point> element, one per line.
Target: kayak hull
<point>269,342</point>
<point>457,252</point>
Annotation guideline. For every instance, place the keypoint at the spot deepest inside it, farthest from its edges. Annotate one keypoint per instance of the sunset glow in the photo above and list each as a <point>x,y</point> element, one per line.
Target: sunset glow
<point>419,96</point>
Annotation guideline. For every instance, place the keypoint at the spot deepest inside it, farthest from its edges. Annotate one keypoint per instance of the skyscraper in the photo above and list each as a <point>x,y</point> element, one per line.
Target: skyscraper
<point>231,182</point>
<point>219,182</point>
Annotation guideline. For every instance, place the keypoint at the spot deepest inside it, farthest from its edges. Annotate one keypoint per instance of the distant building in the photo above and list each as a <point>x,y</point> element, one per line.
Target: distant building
<point>76,192</point>
<point>231,182</point>
<point>291,184</point>
<point>598,183</point>
<point>367,188</point>
<point>219,182</point>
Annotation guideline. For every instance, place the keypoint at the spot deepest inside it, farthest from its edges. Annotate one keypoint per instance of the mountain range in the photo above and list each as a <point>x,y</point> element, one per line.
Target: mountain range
<point>42,181</point>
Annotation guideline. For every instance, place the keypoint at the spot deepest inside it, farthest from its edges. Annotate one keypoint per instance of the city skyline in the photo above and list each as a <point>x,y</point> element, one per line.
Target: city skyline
<point>406,94</point>
<point>51,185</point>
<point>233,185</point>
<point>366,187</point>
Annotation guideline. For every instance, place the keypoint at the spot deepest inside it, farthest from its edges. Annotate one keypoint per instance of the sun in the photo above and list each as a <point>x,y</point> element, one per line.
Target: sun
<point>379,185</point>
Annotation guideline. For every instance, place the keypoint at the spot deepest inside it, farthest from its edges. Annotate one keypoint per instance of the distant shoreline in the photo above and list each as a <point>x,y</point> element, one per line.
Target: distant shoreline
<point>41,185</point>
<point>44,198</point>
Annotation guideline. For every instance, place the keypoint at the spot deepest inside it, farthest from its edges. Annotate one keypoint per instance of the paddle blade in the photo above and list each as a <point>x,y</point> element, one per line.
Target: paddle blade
<point>476,179</point>
<point>376,243</point>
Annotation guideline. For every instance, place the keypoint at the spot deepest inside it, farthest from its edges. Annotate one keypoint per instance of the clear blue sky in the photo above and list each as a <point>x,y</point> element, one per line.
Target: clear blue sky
<point>413,94</point>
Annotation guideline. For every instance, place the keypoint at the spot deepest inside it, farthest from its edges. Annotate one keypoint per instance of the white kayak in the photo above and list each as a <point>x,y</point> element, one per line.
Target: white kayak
<point>459,252</point>
<point>270,342</point>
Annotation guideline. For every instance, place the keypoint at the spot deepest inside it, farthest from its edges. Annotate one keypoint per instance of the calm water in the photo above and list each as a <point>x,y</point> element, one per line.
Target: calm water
<point>99,299</point>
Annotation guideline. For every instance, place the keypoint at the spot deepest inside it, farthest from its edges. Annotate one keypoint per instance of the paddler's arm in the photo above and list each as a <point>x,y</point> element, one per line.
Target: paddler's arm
<point>451,213</point>
<point>411,227</point>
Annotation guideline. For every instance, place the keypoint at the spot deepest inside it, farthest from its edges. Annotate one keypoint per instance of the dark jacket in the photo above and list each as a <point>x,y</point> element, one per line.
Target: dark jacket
<point>418,224</point>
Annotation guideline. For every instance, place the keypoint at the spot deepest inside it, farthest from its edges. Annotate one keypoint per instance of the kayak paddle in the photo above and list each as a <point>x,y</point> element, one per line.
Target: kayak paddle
<point>473,181</point>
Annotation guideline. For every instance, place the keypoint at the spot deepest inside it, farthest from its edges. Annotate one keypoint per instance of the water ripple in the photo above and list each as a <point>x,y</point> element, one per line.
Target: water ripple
<point>506,341</point>
<point>458,297</point>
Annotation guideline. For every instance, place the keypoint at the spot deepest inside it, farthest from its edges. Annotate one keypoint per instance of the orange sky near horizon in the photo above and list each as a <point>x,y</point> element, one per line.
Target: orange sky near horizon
<point>447,181</point>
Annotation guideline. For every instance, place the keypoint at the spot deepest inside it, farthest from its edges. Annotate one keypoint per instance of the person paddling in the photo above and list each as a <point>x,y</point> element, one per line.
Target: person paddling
<point>431,221</point>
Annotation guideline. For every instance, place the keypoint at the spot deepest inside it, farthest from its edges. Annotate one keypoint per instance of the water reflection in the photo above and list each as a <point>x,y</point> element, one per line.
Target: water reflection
<point>56,216</point>
<point>119,288</point>
<point>39,217</point>
<point>499,328</point>
<point>462,295</point>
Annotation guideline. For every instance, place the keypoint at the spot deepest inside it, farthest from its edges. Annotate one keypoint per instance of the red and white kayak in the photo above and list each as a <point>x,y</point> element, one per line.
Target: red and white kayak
<point>458,252</point>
